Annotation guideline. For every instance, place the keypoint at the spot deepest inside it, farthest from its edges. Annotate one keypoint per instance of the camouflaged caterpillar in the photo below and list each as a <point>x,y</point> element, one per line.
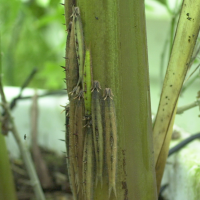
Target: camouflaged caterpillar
<point>110,139</point>
<point>79,44</point>
<point>71,63</point>
<point>72,168</point>
<point>88,166</point>
<point>79,135</point>
<point>97,131</point>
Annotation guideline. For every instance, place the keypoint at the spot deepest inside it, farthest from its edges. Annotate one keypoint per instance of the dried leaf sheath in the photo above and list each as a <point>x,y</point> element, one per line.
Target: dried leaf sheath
<point>79,136</point>
<point>110,139</point>
<point>97,131</point>
<point>88,166</point>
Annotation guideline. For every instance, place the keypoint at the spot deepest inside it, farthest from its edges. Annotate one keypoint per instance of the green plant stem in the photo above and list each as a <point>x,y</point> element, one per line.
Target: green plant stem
<point>7,187</point>
<point>116,33</point>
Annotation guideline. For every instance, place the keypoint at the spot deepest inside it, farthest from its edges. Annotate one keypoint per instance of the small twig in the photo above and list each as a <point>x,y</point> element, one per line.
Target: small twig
<point>195,54</point>
<point>24,85</point>
<point>189,83</point>
<point>57,92</point>
<point>23,150</point>
<point>40,164</point>
<point>181,109</point>
<point>18,170</point>
<point>186,82</point>
<point>163,54</point>
<point>192,72</point>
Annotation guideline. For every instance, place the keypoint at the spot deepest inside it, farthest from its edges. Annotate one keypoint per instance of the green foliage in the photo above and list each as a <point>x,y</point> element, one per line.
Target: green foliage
<point>32,36</point>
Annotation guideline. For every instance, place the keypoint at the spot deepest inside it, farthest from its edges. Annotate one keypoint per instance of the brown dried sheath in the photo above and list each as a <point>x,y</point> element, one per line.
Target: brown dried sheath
<point>97,131</point>
<point>79,138</point>
<point>88,166</point>
<point>110,139</point>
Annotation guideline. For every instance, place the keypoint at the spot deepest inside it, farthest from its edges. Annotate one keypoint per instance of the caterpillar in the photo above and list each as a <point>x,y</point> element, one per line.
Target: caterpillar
<point>79,136</point>
<point>71,63</point>
<point>67,137</point>
<point>87,81</point>
<point>110,139</point>
<point>79,44</point>
<point>97,131</point>
<point>72,168</point>
<point>88,166</point>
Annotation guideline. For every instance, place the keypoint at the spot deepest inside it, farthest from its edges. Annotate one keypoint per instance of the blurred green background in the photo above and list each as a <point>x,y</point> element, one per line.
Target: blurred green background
<point>33,35</point>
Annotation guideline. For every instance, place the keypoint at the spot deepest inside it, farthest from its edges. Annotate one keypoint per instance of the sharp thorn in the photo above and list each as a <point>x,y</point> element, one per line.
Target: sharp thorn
<point>62,140</point>
<point>63,67</point>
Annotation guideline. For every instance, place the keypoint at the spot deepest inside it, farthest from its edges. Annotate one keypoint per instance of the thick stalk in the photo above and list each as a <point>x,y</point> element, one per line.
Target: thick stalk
<point>116,34</point>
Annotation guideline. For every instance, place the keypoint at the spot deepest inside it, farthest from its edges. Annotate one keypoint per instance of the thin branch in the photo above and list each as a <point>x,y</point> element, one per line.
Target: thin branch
<point>181,109</point>
<point>189,83</point>
<point>56,92</point>
<point>24,85</point>
<point>23,150</point>
<point>192,72</point>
